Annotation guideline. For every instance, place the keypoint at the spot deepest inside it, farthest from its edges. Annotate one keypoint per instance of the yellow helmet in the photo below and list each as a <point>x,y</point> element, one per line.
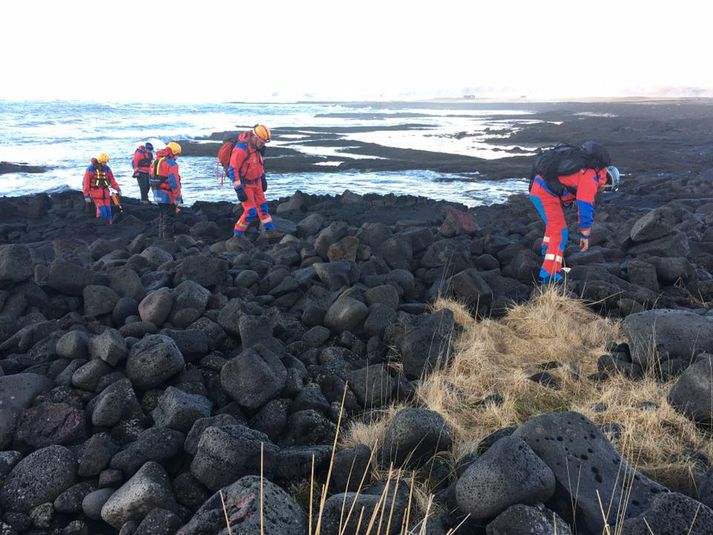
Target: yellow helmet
<point>103,158</point>
<point>175,148</point>
<point>263,132</point>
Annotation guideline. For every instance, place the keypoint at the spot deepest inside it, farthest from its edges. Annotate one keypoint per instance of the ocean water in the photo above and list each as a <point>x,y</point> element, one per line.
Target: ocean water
<point>66,135</point>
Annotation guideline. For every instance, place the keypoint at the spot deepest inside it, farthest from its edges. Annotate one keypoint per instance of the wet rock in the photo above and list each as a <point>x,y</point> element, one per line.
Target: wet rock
<point>94,501</point>
<point>662,334</point>
<point>15,264</point>
<point>671,513</point>
<point>95,455</point>
<point>16,394</point>
<point>115,403</point>
<point>254,377</point>
<point>537,520</point>
<point>570,443</point>
<point>38,478</point>
<point>227,453</point>
<point>281,514</point>
<point>414,436</point>
<point>50,423</point>
<point>509,473</point>
<point>70,501</point>
<point>346,314</point>
<point>148,489</point>
<point>152,361</point>
<point>156,306</point>
<point>179,410</point>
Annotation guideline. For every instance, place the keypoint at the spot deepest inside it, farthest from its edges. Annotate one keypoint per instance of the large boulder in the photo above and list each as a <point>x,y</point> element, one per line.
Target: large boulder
<point>338,274</point>
<point>208,271</point>
<point>654,224</point>
<point>424,342</point>
<point>588,470</point>
<point>148,489</point>
<point>373,385</point>
<point>99,300</point>
<point>179,410</point>
<point>249,502</point>
<point>413,437</point>
<point>663,334</point>
<point>254,377</point>
<point>536,520</point>
<point>16,394</point>
<point>190,301</point>
<point>38,478</point>
<point>156,306</point>
<point>508,473</point>
<point>152,361</point>
<point>692,394</point>
<point>227,453</point>
<point>345,314</point>
<point>68,278</point>
<point>15,264</point>
<point>51,423</point>
<point>108,346</point>
<point>469,288</point>
<point>671,513</point>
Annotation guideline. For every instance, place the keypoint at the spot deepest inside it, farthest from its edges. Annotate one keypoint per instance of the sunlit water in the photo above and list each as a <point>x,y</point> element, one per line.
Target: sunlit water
<point>66,135</point>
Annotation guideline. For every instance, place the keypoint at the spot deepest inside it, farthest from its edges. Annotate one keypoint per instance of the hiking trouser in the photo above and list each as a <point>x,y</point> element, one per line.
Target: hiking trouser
<point>102,201</point>
<point>549,207</point>
<point>143,180</point>
<point>255,207</point>
<point>166,221</point>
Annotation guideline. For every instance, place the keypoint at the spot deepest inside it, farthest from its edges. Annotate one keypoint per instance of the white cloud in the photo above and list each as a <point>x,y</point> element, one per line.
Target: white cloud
<point>212,51</point>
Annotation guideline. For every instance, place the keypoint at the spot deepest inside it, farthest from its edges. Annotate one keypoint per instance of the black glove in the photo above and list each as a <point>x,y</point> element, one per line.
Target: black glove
<point>242,196</point>
<point>264,184</point>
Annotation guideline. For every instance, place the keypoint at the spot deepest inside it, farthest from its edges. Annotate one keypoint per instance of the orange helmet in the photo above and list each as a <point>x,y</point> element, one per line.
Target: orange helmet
<point>174,147</point>
<point>262,132</point>
<point>103,158</point>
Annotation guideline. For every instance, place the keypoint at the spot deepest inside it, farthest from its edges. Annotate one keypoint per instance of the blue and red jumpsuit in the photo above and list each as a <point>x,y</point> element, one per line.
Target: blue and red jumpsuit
<point>141,162</point>
<point>581,187</point>
<point>247,173</point>
<point>98,178</point>
<point>166,186</point>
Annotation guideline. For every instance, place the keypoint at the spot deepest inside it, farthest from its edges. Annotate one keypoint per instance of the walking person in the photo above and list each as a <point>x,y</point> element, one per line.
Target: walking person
<point>98,178</point>
<point>141,162</point>
<point>560,177</point>
<point>247,173</point>
<point>165,182</point>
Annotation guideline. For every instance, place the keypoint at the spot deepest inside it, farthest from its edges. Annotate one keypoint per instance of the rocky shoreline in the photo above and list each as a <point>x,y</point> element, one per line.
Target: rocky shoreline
<point>138,377</point>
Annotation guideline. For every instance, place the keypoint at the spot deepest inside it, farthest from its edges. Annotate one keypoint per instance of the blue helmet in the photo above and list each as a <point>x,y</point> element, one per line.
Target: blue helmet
<point>149,145</point>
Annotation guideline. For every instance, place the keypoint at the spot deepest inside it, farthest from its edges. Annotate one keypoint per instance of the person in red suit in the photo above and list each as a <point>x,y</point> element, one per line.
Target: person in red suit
<point>98,178</point>
<point>580,187</point>
<point>247,173</point>
<point>165,182</point>
<point>141,162</point>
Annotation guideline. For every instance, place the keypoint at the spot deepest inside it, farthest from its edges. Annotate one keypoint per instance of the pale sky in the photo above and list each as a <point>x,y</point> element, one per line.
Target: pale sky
<point>283,50</point>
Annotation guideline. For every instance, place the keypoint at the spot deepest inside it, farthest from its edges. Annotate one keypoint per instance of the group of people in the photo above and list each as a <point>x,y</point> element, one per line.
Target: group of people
<point>561,177</point>
<point>159,173</point>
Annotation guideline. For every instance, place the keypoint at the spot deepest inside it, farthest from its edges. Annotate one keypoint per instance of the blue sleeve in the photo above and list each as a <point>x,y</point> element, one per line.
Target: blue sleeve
<point>586,214</point>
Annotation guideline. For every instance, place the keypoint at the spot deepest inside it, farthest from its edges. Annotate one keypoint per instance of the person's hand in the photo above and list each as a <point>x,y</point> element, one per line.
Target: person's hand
<point>583,242</point>
<point>242,196</point>
<point>264,184</point>
<point>87,200</point>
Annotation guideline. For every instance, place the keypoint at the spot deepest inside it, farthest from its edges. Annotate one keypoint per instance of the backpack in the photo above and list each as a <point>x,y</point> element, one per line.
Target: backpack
<point>155,180</point>
<point>226,149</point>
<point>564,159</point>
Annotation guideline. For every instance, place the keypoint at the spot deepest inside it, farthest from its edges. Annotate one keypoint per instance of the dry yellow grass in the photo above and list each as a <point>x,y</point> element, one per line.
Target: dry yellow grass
<point>498,356</point>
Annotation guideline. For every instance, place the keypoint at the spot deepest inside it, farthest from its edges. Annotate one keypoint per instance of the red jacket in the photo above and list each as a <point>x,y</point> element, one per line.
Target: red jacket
<point>165,166</point>
<point>97,178</point>
<point>141,161</point>
<point>583,186</point>
<point>247,165</point>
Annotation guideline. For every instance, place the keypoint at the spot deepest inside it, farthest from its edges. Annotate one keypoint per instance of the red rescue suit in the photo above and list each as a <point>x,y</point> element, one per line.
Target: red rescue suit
<point>164,178</point>
<point>141,162</point>
<point>98,178</point>
<point>581,187</point>
<point>247,173</point>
